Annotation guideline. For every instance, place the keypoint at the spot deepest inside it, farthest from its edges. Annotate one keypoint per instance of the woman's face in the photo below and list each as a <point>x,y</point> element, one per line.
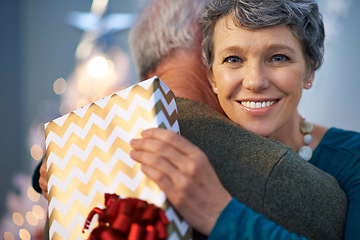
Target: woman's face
<point>258,76</point>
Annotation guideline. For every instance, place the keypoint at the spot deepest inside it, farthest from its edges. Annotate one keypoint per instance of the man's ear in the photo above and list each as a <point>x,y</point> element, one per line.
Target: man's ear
<point>212,82</point>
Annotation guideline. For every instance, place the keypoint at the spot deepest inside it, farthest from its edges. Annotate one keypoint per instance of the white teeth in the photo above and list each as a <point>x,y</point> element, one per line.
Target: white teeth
<point>250,104</point>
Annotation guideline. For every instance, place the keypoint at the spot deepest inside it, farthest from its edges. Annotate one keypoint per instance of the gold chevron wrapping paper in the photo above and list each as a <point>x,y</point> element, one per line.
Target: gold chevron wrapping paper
<point>88,155</point>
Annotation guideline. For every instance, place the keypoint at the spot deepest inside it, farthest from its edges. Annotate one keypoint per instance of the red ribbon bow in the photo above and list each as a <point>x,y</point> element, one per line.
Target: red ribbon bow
<point>128,219</point>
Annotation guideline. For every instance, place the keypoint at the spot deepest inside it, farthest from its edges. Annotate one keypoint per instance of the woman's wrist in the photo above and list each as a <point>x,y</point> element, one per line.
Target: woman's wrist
<point>223,202</point>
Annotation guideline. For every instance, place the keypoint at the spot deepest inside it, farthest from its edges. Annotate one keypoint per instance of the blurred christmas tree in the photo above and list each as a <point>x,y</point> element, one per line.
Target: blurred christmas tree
<point>102,68</point>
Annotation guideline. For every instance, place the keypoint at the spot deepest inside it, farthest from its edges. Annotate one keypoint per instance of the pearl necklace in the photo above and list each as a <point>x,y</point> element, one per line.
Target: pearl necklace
<point>306,128</point>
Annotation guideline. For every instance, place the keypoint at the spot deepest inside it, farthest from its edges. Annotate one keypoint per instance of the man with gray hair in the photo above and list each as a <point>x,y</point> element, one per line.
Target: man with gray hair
<point>266,176</point>
<point>263,174</point>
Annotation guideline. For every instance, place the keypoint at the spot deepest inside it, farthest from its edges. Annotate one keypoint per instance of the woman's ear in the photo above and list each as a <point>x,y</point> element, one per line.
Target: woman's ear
<point>308,82</point>
<point>212,82</point>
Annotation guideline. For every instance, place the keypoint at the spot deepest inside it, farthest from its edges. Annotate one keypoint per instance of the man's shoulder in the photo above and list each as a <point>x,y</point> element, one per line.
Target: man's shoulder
<point>201,120</point>
<point>264,174</point>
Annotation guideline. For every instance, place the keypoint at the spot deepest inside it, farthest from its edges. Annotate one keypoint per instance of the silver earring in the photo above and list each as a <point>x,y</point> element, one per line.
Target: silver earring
<point>215,89</point>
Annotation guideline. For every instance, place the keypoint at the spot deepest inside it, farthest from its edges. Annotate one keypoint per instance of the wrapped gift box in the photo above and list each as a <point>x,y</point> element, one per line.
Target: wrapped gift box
<point>88,155</point>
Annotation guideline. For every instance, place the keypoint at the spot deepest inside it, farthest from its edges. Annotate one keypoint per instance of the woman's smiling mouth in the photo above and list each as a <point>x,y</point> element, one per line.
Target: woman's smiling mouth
<point>251,104</point>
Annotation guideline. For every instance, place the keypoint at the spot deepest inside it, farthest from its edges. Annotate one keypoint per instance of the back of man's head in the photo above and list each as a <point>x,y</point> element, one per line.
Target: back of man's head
<point>162,26</point>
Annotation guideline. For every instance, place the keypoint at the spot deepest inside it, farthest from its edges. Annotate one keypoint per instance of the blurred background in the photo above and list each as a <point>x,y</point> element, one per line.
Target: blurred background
<point>57,56</point>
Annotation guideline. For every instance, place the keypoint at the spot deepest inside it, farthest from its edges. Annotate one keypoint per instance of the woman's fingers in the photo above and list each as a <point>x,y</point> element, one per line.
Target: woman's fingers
<point>184,173</point>
<point>170,137</point>
<point>171,146</point>
<point>163,170</point>
<point>162,180</point>
<point>158,166</point>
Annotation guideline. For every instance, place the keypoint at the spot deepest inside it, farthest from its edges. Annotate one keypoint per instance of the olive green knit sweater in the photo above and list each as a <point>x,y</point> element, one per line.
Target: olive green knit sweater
<point>265,175</point>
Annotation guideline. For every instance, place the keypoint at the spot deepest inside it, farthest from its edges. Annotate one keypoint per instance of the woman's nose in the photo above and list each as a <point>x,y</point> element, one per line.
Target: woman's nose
<point>255,78</point>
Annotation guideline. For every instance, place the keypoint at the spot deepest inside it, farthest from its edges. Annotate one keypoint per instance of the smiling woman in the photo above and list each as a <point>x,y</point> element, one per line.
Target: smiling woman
<point>259,62</point>
<point>260,55</point>
<point>258,76</point>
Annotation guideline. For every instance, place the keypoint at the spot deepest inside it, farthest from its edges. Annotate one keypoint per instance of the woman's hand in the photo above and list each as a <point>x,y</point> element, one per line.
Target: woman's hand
<point>184,173</point>
<point>43,178</point>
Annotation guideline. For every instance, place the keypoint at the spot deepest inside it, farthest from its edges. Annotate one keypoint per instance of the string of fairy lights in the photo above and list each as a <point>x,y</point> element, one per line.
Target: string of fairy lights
<point>35,216</point>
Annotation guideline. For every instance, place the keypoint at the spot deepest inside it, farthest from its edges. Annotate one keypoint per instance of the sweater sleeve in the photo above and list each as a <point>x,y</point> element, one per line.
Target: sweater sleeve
<point>237,221</point>
<point>338,154</point>
<point>36,177</point>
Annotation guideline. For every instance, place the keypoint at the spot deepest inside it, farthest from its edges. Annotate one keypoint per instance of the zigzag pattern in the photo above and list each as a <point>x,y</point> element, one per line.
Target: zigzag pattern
<point>88,155</point>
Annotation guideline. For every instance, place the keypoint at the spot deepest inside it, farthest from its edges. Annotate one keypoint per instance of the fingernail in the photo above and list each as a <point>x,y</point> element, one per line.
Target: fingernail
<point>144,133</point>
<point>134,141</point>
<point>132,153</point>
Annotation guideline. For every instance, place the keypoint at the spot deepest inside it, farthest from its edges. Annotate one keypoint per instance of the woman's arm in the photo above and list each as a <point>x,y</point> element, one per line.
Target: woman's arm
<point>237,221</point>
<point>184,173</point>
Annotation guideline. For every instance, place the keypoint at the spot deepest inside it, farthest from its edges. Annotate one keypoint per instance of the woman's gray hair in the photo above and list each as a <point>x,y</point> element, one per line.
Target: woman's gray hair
<point>302,16</point>
<point>163,26</point>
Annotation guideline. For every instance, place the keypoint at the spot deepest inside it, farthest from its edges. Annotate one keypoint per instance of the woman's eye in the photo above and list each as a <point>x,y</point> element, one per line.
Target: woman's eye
<point>232,59</point>
<point>280,58</point>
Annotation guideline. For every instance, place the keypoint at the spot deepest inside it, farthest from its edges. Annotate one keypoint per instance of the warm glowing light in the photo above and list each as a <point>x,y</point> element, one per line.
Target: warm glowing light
<point>33,195</point>
<point>82,102</point>
<point>8,236</point>
<point>111,67</point>
<point>36,152</point>
<point>31,218</point>
<point>59,86</point>
<point>64,107</point>
<point>97,67</point>
<point>100,86</point>
<point>18,219</point>
<point>38,211</point>
<point>84,85</point>
<point>24,234</point>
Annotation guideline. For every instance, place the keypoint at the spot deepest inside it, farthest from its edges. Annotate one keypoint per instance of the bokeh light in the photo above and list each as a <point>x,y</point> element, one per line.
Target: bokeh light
<point>97,67</point>
<point>64,107</point>
<point>36,152</point>
<point>18,219</point>
<point>24,234</point>
<point>33,195</point>
<point>111,67</point>
<point>8,236</point>
<point>38,211</point>
<point>32,219</point>
<point>84,86</point>
<point>59,86</point>
<point>82,102</point>
<point>100,86</point>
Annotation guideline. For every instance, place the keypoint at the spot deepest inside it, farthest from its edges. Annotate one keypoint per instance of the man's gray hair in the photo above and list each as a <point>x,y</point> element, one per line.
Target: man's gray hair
<point>162,26</point>
<point>302,16</point>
